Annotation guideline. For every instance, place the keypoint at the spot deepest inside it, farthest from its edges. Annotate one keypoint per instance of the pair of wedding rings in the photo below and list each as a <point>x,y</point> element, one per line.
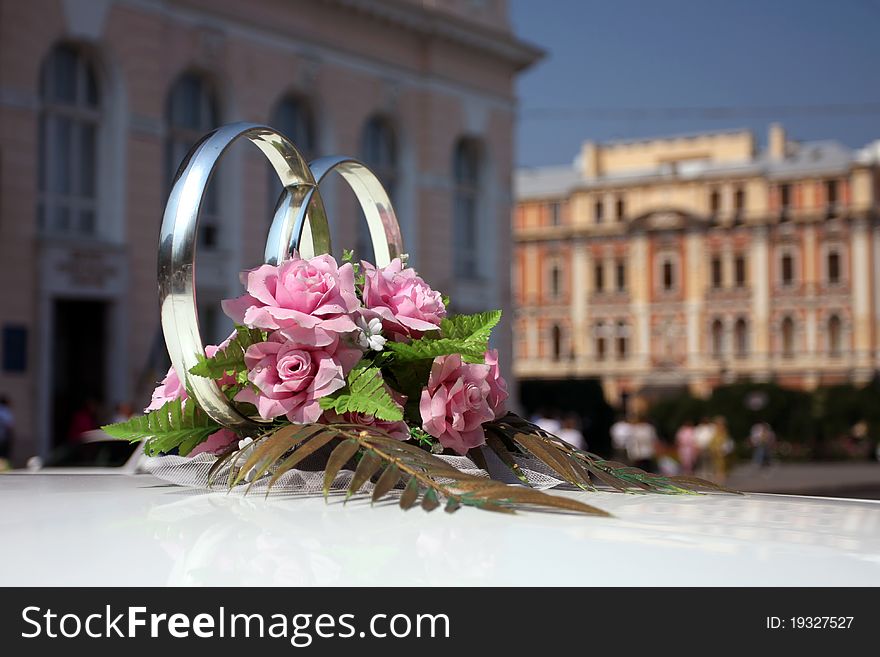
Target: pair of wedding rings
<point>300,223</point>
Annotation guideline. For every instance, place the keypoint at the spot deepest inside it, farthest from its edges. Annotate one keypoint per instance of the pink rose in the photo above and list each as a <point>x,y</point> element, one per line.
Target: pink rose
<point>402,300</point>
<point>497,385</point>
<point>216,443</point>
<point>396,429</point>
<point>310,301</point>
<point>172,388</point>
<point>455,404</point>
<point>291,378</point>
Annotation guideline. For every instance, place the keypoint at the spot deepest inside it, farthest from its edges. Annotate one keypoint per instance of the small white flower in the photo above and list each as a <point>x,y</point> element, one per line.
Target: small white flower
<point>370,334</point>
<point>244,443</point>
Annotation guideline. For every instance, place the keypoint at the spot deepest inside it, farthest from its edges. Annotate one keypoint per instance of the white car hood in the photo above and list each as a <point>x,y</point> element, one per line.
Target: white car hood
<point>137,530</point>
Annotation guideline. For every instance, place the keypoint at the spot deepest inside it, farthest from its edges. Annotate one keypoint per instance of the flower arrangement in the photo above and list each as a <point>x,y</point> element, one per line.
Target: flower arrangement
<point>363,366</point>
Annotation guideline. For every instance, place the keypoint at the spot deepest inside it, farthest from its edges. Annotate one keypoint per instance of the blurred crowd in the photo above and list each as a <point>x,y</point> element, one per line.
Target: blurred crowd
<point>703,449</point>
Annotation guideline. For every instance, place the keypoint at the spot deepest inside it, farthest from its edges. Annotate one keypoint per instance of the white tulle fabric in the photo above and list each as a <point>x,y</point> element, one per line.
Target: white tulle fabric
<point>193,473</point>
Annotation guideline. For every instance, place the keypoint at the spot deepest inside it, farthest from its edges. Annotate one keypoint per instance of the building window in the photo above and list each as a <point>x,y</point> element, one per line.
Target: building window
<point>788,337</point>
<point>293,117</point>
<point>556,337</point>
<point>620,276</point>
<point>739,204</point>
<point>599,211</point>
<point>786,267</point>
<point>599,334</point>
<point>667,275</point>
<point>784,202</point>
<point>714,204</point>
<point>555,282</point>
<point>555,214</point>
<point>739,270</point>
<point>741,338</point>
<point>833,268</point>
<point>620,208</point>
<point>68,141</point>
<point>379,152</point>
<point>717,333</point>
<point>621,339</point>
<point>831,198</point>
<point>599,276</point>
<point>835,337</point>
<point>190,113</point>
<point>466,170</point>
<point>716,274</point>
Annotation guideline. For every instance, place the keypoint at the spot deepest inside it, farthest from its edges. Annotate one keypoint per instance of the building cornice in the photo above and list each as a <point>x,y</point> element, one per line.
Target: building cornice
<point>500,43</point>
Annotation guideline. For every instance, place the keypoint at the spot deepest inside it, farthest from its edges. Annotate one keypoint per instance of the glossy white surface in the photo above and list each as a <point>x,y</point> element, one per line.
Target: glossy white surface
<point>137,530</point>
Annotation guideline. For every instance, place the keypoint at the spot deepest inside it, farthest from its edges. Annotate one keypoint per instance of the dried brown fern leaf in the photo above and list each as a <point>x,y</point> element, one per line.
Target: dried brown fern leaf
<point>388,461</point>
<point>573,465</point>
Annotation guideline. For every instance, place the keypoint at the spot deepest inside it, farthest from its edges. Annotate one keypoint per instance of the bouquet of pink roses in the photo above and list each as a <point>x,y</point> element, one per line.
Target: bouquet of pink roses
<point>363,368</point>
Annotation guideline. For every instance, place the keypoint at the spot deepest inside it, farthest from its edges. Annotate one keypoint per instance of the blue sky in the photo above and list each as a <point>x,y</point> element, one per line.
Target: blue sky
<point>761,61</point>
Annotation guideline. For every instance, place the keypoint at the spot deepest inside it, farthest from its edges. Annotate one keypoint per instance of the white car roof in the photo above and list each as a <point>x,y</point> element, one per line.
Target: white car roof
<point>137,530</point>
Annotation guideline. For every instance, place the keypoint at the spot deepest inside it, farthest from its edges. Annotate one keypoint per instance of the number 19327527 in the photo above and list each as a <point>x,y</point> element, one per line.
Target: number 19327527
<point>809,622</point>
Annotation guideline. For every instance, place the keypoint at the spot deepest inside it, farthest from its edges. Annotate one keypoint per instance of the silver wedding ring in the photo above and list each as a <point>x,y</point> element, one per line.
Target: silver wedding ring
<point>300,223</point>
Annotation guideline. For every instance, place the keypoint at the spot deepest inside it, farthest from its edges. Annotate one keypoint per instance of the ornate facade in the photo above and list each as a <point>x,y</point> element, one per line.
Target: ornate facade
<point>696,260</point>
<point>100,100</point>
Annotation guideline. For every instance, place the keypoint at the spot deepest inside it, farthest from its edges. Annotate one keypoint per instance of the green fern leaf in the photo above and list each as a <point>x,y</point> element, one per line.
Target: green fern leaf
<point>230,359</point>
<point>467,335</point>
<point>174,426</point>
<point>365,393</point>
<point>470,327</point>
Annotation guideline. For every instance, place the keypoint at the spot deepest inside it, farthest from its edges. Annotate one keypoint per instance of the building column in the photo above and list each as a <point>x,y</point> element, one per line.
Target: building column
<point>696,284</point>
<point>760,279</point>
<point>579,322</point>
<point>861,299</point>
<point>640,296</point>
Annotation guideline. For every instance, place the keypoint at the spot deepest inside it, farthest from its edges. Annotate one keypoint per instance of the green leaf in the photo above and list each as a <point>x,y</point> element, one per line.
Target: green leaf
<point>174,426</point>
<point>467,335</point>
<point>470,327</point>
<point>365,393</point>
<point>230,359</point>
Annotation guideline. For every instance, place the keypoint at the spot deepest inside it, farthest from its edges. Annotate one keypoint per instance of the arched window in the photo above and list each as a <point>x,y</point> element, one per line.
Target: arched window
<point>741,338</point>
<point>556,337</point>
<point>786,269</point>
<point>599,332</point>
<point>68,141</point>
<point>717,332</point>
<point>788,337</point>
<point>714,204</point>
<point>555,282</point>
<point>293,118</point>
<point>621,339</point>
<point>835,335</point>
<point>833,268</point>
<point>190,113</point>
<point>465,236</point>
<point>379,152</point>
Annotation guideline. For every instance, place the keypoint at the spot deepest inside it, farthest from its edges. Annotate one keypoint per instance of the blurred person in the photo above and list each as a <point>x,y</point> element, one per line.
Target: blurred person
<point>124,411</point>
<point>641,448</point>
<point>620,431</point>
<point>719,448</point>
<point>704,433</point>
<point>7,424</point>
<point>762,439</point>
<point>85,419</point>
<point>571,433</point>
<point>547,421</point>
<point>686,447</point>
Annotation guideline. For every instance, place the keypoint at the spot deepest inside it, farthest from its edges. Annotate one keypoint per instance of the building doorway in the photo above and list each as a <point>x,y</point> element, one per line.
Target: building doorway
<point>79,362</point>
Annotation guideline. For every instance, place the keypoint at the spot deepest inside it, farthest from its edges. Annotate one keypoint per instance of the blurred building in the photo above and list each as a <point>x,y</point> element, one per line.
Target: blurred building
<point>695,260</point>
<point>101,99</point>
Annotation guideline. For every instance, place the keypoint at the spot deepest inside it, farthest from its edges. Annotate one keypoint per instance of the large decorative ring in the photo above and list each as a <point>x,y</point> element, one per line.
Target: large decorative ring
<point>286,235</point>
<point>177,246</point>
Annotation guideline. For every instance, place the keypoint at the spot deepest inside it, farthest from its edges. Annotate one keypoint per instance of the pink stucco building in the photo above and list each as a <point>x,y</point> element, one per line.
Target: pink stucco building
<point>100,100</point>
